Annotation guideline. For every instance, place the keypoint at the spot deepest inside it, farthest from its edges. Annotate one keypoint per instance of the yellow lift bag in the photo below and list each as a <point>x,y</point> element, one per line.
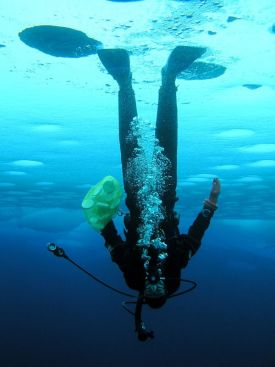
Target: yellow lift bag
<point>101,203</point>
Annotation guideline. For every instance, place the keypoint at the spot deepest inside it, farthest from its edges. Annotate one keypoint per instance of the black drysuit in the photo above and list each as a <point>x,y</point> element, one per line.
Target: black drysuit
<point>180,246</point>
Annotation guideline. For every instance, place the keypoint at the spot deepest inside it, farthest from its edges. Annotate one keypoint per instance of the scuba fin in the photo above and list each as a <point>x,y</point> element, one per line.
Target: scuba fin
<point>116,62</point>
<point>180,59</point>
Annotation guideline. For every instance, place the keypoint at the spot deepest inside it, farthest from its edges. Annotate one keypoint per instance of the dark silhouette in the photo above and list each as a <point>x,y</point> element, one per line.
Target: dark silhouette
<point>159,279</point>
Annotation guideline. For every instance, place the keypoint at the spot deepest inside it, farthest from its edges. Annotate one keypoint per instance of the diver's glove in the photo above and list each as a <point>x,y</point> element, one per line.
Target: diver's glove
<point>214,194</point>
<point>210,204</point>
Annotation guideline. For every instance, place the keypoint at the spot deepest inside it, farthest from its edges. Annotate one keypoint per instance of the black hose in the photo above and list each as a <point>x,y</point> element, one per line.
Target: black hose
<point>58,251</point>
<point>98,280</point>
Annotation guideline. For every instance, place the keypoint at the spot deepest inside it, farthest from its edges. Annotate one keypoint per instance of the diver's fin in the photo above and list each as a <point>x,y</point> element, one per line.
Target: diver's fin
<point>180,59</point>
<point>116,62</point>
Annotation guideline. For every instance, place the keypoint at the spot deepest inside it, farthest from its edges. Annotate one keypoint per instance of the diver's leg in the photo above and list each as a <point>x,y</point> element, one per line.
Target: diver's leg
<point>127,112</point>
<point>117,63</point>
<point>167,125</point>
<point>167,131</point>
<point>128,144</point>
<point>167,135</point>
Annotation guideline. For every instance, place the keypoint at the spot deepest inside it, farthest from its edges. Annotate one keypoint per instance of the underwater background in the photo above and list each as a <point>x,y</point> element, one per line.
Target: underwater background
<point>59,137</point>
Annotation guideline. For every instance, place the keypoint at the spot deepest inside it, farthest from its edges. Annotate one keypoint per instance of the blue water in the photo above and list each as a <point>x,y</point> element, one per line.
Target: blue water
<point>53,315</point>
<point>59,136</point>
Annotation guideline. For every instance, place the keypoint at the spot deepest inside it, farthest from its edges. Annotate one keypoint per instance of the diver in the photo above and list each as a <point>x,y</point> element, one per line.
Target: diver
<point>152,267</point>
<point>160,279</point>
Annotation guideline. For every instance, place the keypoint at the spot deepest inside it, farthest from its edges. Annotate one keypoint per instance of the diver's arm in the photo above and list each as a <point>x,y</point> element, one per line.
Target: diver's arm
<point>201,223</point>
<point>109,233</point>
<point>118,249</point>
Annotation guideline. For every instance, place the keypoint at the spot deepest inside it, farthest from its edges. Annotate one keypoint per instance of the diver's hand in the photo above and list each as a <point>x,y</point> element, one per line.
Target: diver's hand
<point>215,191</point>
